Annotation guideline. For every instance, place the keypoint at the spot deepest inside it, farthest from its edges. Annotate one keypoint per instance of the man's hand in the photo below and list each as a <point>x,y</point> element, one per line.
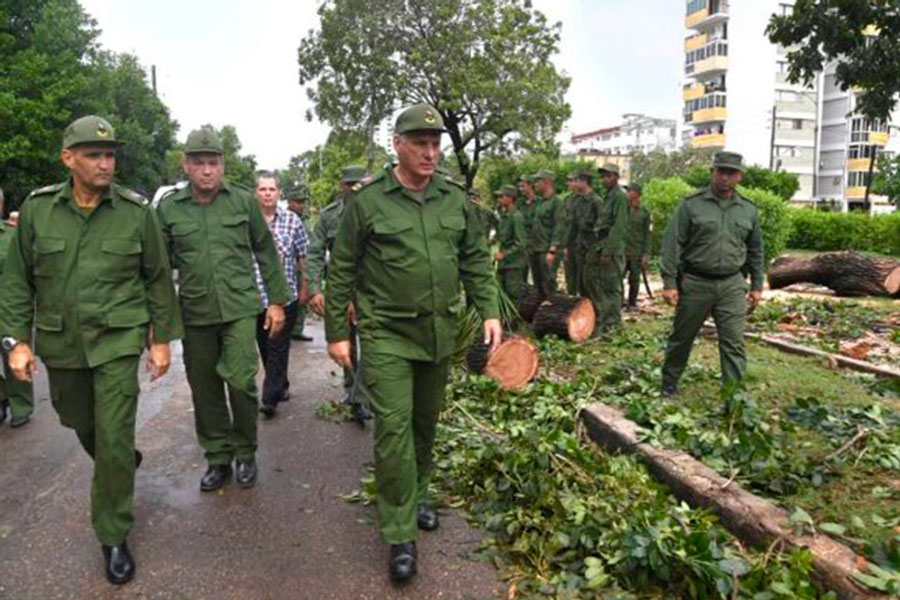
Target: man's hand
<point>158,360</point>
<point>754,297</point>
<point>493,334</point>
<point>340,353</point>
<point>274,319</point>
<point>13,219</point>
<point>550,258</point>
<point>317,304</point>
<point>21,362</point>
<point>500,255</point>
<point>643,261</point>
<point>671,297</point>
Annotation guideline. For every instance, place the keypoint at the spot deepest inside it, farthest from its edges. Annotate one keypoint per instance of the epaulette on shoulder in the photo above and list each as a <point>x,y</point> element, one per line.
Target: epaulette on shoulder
<point>132,196</point>
<point>745,198</point>
<point>373,179</point>
<point>47,189</point>
<point>696,193</point>
<point>455,183</point>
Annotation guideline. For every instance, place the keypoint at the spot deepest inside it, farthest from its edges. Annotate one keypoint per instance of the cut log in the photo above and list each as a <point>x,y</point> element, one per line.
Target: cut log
<point>513,365</point>
<point>846,273</point>
<point>529,302</point>
<point>569,317</point>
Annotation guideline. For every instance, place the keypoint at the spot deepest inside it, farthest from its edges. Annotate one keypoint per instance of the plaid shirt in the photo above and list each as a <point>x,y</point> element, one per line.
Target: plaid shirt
<point>290,241</point>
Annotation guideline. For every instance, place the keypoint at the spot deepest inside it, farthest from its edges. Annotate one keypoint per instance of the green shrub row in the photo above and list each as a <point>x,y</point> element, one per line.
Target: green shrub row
<point>832,231</point>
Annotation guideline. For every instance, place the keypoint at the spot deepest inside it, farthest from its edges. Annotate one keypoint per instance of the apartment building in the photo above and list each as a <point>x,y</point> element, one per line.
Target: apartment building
<point>636,132</point>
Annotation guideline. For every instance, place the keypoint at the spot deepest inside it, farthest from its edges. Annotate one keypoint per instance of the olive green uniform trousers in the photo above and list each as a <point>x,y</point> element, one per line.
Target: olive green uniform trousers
<point>512,282</point>
<point>698,297</point>
<point>634,270</point>
<point>300,323</point>
<point>100,404</point>
<point>541,274</point>
<point>571,270</point>
<point>406,398</point>
<point>216,357</point>
<point>602,283</point>
<point>19,393</point>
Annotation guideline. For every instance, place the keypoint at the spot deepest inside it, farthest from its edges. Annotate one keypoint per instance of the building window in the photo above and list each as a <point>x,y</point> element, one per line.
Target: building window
<point>857,178</point>
<point>695,5</point>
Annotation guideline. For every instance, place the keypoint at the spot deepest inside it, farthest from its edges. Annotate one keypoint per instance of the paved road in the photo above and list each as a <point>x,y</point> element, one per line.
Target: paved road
<point>289,538</point>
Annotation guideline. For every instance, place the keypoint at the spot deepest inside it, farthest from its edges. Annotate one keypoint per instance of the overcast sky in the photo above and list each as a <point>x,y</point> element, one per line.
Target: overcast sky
<point>235,62</point>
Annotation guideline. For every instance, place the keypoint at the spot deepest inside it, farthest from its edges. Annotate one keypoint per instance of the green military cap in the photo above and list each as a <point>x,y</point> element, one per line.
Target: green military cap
<point>728,160</point>
<point>584,173</point>
<point>419,117</point>
<point>545,174</point>
<point>297,193</point>
<point>506,190</point>
<point>636,187</point>
<point>609,168</point>
<point>204,140</point>
<point>353,174</point>
<point>89,130</point>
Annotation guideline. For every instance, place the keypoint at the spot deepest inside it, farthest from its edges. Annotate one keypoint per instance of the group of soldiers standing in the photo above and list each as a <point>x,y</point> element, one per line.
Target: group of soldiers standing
<point>597,237</point>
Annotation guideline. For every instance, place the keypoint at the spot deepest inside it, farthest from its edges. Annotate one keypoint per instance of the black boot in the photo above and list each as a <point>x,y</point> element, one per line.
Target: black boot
<point>427,518</point>
<point>403,562</point>
<point>246,471</point>
<point>215,477</point>
<point>120,566</point>
<point>4,410</point>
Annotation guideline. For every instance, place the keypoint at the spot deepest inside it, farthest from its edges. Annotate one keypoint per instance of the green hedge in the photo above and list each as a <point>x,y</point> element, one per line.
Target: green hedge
<point>833,231</point>
<point>663,195</point>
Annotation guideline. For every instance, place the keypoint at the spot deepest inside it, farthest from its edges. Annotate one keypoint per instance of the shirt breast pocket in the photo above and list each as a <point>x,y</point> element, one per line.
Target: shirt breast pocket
<point>49,256</point>
<point>121,259</point>
<point>391,238</point>
<point>185,239</point>
<point>237,230</point>
<point>453,228</point>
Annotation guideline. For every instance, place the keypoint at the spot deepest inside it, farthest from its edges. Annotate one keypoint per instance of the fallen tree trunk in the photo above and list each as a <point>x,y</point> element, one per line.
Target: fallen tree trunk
<point>569,317</point>
<point>847,273</point>
<point>512,365</point>
<point>529,302</point>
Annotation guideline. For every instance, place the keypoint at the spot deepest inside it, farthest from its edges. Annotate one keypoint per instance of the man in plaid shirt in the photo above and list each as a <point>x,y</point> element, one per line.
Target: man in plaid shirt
<point>290,241</point>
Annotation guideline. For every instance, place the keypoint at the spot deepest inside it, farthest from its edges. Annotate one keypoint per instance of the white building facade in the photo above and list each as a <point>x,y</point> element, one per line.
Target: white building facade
<point>636,133</point>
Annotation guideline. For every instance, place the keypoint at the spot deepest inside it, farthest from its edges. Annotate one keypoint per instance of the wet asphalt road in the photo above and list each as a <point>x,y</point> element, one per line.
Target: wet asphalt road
<point>291,537</point>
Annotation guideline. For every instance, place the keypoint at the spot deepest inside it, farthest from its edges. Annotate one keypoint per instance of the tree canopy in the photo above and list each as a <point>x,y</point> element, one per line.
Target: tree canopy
<point>863,36</point>
<point>485,65</point>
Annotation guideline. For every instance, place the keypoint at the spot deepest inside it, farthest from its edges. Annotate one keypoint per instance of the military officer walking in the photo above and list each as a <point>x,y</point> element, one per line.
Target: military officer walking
<point>88,268</point>
<point>214,231</point>
<point>16,396</point>
<point>406,241</point>
<point>512,254</point>
<point>606,263</point>
<point>637,242</point>
<point>711,244</point>
<point>547,235</point>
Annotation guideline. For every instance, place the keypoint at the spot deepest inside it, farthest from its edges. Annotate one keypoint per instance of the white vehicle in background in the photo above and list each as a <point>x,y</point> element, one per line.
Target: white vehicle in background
<point>165,190</point>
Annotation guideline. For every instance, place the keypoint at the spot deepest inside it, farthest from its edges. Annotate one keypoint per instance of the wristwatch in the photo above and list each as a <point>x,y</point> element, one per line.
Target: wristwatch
<point>8,343</point>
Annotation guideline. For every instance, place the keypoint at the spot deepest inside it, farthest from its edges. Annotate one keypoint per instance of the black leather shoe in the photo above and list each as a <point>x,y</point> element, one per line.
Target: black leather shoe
<point>215,477</point>
<point>361,414</point>
<point>4,410</point>
<point>267,410</point>
<point>138,459</point>
<point>19,421</point>
<point>119,564</point>
<point>246,473</point>
<point>427,518</point>
<point>403,562</point>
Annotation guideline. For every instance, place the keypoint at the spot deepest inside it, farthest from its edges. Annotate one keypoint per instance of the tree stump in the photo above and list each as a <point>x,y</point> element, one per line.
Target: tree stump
<point>846,273</point>
<point>513,365</point>
<point>529,302</point>
<point>569,317</point>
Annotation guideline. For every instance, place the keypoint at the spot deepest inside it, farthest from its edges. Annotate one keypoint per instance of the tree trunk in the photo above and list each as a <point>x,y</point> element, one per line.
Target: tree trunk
<point>569,317</point>
<point>529,302</point>
<point>514,364</point>
<point>846,273</point>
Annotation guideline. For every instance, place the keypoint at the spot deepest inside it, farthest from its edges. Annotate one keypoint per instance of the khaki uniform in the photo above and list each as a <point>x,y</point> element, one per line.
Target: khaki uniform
<point>402,258</point>
<point>710,246</point>
<point>92,283</point>
<point>212,246</point>
<point>19,394</point>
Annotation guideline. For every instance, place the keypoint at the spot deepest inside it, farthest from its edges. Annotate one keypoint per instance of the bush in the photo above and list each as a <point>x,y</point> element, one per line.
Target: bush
<point>663,195</point>
<point>832,231</point>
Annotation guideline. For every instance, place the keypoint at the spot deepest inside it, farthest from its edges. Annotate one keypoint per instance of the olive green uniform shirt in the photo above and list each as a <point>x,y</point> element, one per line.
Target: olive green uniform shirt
<point>612,223</point>
<point>637,241</point>
<point>528,212</point>
<point>6,235</point>
<point>403,260</point>
<point>713,237</point>
<point>90,282</point>
<point>548,226</point>
<point>512,240</point>
<point>584,217</point>
<point>212,246</point>
<point>321,242</point>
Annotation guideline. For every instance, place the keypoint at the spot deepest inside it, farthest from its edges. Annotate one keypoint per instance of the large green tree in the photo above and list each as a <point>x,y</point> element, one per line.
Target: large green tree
<point>486,65</point>
<point>863,35</point>
<point>887,178</point>
<point>659,164</point>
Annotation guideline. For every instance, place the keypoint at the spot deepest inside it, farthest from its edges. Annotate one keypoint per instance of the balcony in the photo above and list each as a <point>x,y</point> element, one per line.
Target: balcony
<point>874,138</point>
<point>692,92</point>
<point>710,140</point>
<point>710,65</point>
<point>695,18</point>
<point>855,192</point>
<point>694,42</point>
<point>858,164</point>
<point>708,17</point>
<point>706,115</point>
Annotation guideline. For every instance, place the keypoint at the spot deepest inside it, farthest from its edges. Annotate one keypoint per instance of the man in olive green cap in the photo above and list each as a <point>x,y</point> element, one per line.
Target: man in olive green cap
<point>214,231</point>
<point>527,205</point>
<point>569,255</point>
<point>407,240</point>
<point>88,269</point>
<point>605,265</point>
<point>321,243</point>
<point>637,242</point>
<point>581,235</point>
<point>710,246</point>
<point>513,244</point>
<point>16,396</point>
<point>547,234</point>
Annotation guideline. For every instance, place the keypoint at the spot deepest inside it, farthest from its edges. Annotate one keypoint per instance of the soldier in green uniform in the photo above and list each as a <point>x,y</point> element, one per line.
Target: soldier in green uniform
<point>88,268</point>
<point>214,230</point>
<point>16,396</point>
<point>582,236</point>
<point>407,240</point>
<point>605,264</point>
<point>570,202</point>
<point>637,242</point>
<point>547,235</point>
<point>296,198</point>
<point>319,253</point>
<point>527,205</point>
<point>711,244</point>
<point>513,243</point>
